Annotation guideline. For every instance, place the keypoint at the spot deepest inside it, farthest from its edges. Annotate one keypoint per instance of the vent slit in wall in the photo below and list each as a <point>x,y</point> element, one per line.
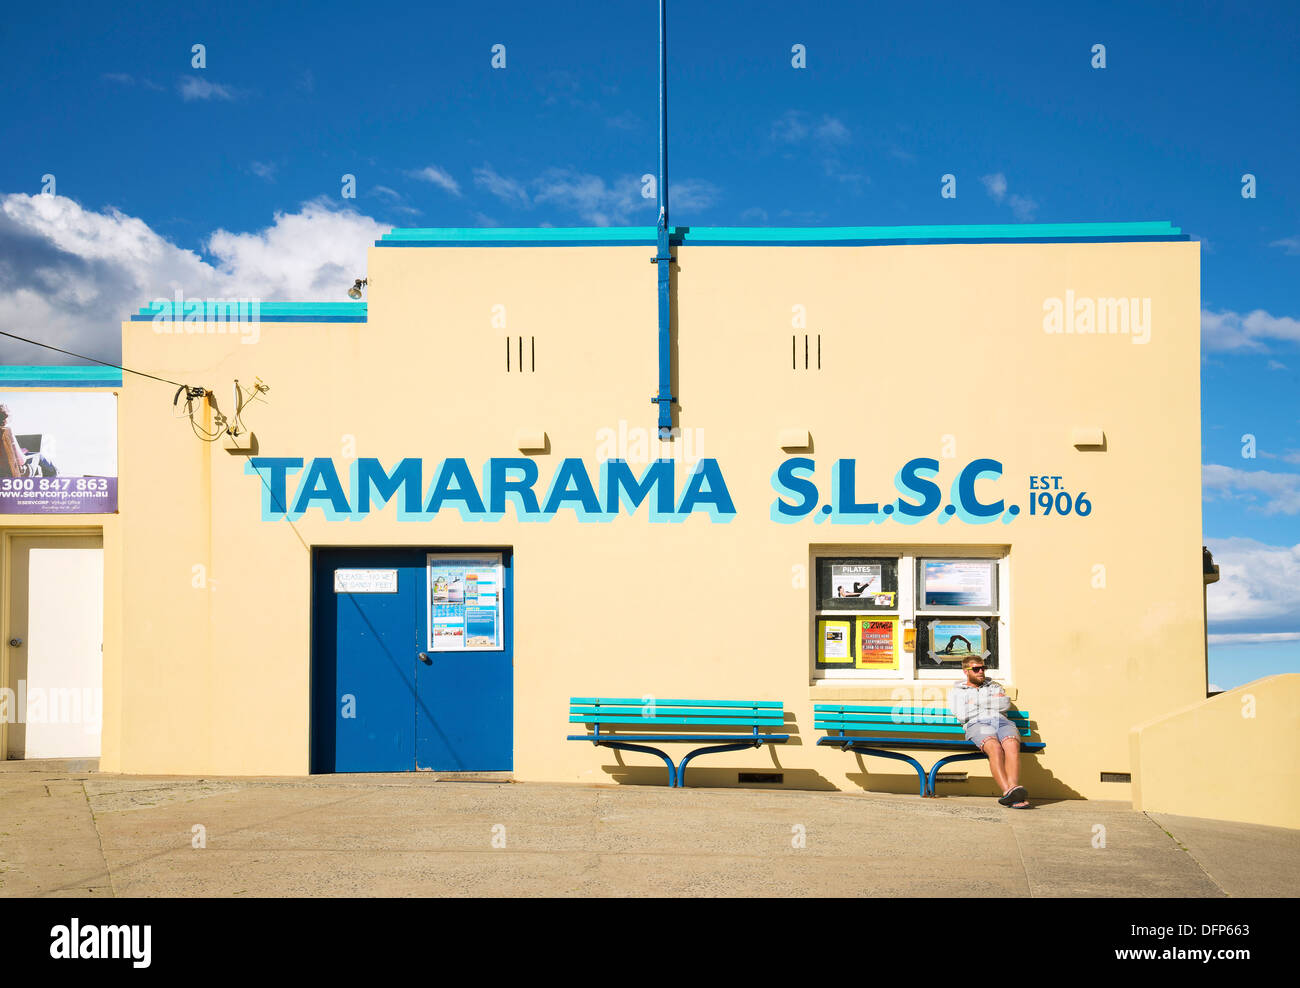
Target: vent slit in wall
<point>507,355</point>
<point>1116,776</point>
<point>532,352</point>
<point>794,359</point>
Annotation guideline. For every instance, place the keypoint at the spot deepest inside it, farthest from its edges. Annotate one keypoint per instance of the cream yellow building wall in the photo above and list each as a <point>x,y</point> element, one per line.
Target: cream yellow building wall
<point>919,343</point>
<point>1231,757</point>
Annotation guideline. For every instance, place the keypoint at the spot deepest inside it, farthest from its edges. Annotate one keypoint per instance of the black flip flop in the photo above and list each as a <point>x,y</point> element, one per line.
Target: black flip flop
<point>1016,795</point>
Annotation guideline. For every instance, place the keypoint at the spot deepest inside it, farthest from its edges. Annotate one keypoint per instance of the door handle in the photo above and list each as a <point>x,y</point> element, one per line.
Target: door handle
<point>15,642</point>
<point>425,659</point>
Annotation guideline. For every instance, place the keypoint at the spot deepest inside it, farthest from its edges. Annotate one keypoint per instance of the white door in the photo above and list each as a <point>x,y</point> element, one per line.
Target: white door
<point>56,659</point>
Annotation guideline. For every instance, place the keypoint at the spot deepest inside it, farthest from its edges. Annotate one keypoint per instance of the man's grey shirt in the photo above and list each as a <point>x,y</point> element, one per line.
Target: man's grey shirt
<point>978,704</point>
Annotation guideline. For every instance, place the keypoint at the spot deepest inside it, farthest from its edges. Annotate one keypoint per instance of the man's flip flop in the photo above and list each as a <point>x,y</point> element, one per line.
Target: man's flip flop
<point>1016,795</point>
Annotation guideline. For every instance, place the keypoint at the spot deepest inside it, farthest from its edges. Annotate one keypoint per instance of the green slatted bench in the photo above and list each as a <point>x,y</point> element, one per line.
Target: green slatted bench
<point>878,730</point>
<point>728,725</point>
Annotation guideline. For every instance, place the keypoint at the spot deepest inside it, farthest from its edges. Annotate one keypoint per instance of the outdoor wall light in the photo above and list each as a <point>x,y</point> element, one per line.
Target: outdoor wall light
<point>355,290</point>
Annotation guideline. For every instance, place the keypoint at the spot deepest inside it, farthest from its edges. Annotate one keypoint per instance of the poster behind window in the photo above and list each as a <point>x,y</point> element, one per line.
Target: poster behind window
<point>835,643</point>
<point>856,583</point>
<point>946,641</point>
<point>58,453</point>
<point>877,640</point>
<point>465,603</point>
<point>958,583</point>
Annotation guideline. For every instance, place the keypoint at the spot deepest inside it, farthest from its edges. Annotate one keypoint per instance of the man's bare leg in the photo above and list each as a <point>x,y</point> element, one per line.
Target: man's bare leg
<point>994,751</point>
<point>1011,765</point>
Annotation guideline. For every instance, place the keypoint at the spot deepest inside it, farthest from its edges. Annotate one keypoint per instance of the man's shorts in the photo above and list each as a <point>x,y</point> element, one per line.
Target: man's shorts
<point>980,731</point>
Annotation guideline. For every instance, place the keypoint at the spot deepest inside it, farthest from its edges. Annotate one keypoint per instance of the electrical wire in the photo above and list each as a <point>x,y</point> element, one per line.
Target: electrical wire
<point>190,391</point>
<point>95,360</point>
<point>254,395</point>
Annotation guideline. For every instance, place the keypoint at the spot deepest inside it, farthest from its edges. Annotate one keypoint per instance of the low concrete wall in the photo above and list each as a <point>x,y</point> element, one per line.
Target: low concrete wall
<point>1235,756</point>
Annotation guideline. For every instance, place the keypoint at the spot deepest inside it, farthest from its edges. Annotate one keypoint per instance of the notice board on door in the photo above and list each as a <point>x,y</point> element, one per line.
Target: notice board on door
<point>465,602</point>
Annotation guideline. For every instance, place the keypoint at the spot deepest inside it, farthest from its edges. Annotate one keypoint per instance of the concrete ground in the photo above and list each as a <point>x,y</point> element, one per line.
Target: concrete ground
<point>86,834</point>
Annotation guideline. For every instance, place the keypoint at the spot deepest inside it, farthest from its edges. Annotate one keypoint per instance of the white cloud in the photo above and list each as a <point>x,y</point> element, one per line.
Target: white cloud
<point>1254,638</point>
<point>506,189</point>
<point>439,177</point>
<point>193,87</point>
<point>1258,582</point>
<point>1231,331</point>
<point>692,193</point>
<point>789,128</point>
<point>831,129</point>
<point>627,120</point>
<point>69,276</point>
<point>1022,207</point>
<point>795,126</point>
<point>1289,244</point>
<point>123,79</point>
<point>1280,492</point>
<point>996,186</point>
<point>591,198</point>
<point>616,202</point>
<point>262,170</point>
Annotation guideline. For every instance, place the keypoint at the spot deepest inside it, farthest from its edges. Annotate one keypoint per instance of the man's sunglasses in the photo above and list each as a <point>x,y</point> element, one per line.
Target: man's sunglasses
<point>975,668</point>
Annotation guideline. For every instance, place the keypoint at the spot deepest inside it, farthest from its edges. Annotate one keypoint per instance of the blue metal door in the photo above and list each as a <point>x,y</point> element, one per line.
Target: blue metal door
<point>382,701</point>
<point>465,709</point>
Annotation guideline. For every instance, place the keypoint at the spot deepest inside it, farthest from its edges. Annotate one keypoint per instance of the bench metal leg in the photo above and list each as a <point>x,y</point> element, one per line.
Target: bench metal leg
<point>964,756</point>
<point>681,769</point>
<point>920,769</point>
<point>644,749</point>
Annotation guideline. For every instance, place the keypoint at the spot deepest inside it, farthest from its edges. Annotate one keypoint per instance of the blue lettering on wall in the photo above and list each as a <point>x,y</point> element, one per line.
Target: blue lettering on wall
<point>510,485</point>
<point>919,495</point>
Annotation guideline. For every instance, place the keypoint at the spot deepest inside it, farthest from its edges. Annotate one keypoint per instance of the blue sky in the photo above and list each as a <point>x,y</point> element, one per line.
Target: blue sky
<point>293,96</point>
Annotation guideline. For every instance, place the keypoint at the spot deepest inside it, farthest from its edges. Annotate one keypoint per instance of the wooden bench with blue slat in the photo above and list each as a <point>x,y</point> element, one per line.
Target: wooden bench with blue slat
<point>878,730</point>
<point>682,720</point>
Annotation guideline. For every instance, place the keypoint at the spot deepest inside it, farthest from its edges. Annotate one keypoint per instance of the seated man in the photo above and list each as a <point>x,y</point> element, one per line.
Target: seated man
<point>979,704</point>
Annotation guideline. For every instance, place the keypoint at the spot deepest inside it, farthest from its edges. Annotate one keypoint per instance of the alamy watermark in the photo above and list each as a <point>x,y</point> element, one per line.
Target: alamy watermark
<point>241,316</point>
<point>1089,316</point>
<point>53,705</point>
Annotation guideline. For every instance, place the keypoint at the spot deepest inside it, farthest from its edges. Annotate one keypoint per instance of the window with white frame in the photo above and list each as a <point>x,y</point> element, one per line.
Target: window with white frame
<point>910,615</point>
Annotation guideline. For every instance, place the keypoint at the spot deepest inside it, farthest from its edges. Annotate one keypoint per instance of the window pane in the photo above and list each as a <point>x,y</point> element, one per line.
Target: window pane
<point>857,583</point>
<point>957,584</point>
<point>942,642</point>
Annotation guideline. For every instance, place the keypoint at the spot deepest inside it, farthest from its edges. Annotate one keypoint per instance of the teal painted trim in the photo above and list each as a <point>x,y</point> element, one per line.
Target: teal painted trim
<point>604,234</point>
<point>202,309</point>
<point>792,236</point>
<point>1000,231</point>
<point>48,376</point>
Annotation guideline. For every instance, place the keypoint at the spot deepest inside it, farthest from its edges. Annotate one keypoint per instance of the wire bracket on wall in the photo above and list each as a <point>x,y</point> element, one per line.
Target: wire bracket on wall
<point>240,439</point>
